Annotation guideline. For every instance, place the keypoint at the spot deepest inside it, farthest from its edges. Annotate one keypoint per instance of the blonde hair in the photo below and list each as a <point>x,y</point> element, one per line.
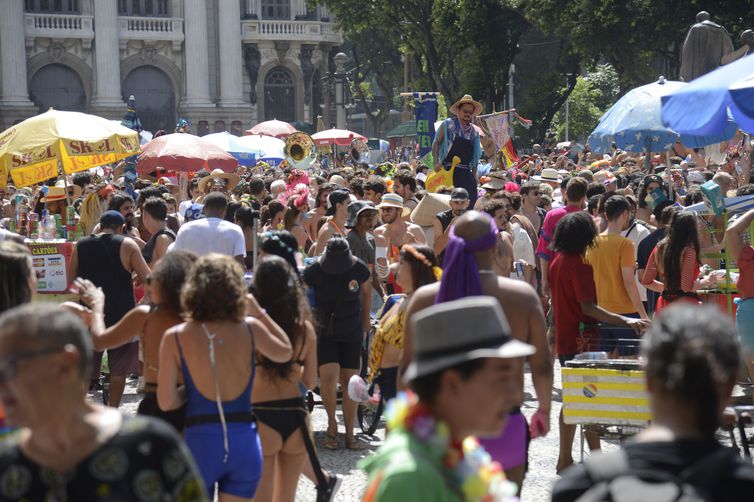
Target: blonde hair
<point>91,209</point>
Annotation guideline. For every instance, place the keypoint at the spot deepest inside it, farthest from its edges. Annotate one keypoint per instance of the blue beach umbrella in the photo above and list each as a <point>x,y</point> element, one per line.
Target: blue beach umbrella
<point>705,105</point>
<point>634,123</point>
<point>245,154</point>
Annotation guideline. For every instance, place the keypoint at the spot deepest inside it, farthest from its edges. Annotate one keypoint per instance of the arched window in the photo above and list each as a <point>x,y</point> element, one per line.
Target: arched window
<point>59,87</point>
<point>279,95</point>
<point>155,99</point>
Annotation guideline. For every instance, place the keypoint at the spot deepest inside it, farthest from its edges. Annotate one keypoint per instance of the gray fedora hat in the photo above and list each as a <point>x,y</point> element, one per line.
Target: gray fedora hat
<point>451,333</point>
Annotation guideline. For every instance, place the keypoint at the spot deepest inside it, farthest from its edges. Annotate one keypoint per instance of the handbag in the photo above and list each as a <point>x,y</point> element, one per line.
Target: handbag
<point>444,176</point>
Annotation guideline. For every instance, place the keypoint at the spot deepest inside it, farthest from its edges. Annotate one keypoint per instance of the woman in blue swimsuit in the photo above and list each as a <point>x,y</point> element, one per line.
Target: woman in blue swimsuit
<point>216,351</point>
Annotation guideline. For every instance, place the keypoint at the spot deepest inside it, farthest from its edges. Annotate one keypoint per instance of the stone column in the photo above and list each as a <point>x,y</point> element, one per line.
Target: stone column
<point>197,58</point>
<point>106,55</point>
<point>231,61</point>
<point>14,87</point>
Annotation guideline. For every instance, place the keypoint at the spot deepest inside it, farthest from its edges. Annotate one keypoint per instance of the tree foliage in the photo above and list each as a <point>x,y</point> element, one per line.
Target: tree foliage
<point>634,36</point>
<point>590,99</point>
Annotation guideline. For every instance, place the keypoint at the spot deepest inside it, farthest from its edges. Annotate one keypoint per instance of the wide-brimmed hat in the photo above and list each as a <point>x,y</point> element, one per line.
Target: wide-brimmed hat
<point>57,192</point>
<point>168,183</point>
<point>438,344</point>
<point>336,197</point>
<point>425,212</point>
<point>337,258</point>
<point>466,99</point>
<point>356,208</point>
<point>604,177</point>
<point>548,174</point>
<point>394,200</point>
<point>494,184</point>
<point>230,180</point>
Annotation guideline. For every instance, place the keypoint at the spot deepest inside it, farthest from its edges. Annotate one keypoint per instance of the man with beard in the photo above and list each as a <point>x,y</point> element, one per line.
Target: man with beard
<point>395,232</point>
<point>459,203</point>
<point>108,259</point>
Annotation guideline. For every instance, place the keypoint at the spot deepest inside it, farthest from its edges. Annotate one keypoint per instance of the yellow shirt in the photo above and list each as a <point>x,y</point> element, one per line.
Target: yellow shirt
<point>609,254</point>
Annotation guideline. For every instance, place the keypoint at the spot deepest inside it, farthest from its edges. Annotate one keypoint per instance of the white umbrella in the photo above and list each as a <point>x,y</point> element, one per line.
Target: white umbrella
<point>245,154</point>
<point>263,146</point>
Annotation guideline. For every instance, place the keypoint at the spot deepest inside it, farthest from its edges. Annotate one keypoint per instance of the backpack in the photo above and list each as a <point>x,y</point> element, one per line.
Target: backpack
<point>615,481</point>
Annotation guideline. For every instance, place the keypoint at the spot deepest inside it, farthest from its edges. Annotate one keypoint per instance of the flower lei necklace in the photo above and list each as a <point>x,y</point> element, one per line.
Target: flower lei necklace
<point>480,478</point>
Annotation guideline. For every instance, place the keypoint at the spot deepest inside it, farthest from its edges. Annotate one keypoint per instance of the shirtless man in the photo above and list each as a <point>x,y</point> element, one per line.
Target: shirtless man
<point>393,234</point>
<point>524,312</point>
<point>530,204</point>
<point>337,209</point>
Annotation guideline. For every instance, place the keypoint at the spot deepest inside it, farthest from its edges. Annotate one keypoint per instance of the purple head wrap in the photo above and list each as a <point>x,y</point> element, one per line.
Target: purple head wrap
<point>460,275</point>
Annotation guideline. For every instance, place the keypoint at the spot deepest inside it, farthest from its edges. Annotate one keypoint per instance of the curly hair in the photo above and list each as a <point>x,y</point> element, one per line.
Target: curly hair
<point>690,351</point>
<point>574,233</point>
<point>276,288</point>
<point>170,275</point>
<point>214,290</point>
<point>15,272</point>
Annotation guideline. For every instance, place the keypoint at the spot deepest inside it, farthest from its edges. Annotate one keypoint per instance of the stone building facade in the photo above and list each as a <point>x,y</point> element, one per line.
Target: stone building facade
<point>221,64</point>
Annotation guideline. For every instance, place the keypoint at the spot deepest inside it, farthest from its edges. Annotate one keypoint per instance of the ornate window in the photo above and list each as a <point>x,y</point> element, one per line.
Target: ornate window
<point>276,9</point>
<point>279,95</point>
<point>152,8</point>
<point>53,6</point>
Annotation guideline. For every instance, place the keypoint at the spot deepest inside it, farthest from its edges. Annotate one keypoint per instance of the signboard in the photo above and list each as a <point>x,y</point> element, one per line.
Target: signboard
<point>50,260</point>
<point>425,108</point>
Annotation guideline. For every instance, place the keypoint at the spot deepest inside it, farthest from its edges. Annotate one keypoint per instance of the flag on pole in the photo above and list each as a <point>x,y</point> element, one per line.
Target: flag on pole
<point>497,126</point>
<point>425,110</point>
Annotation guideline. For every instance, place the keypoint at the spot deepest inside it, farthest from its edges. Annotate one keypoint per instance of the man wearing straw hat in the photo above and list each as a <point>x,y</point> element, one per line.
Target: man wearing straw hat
<point>457,137</point>
<point>393,234</point>
<point>462,386</point>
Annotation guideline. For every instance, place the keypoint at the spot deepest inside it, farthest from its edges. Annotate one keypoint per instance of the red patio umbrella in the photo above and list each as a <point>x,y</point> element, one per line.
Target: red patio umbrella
<point>274,128</point>
<point>184,152</point>
<point>340,137</point>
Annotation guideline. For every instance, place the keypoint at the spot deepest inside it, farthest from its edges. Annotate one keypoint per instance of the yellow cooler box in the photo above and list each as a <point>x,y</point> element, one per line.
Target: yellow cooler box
<point>607,392</point>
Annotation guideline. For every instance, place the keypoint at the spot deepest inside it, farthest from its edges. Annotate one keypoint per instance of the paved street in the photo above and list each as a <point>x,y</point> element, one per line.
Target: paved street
<point>542,455</point>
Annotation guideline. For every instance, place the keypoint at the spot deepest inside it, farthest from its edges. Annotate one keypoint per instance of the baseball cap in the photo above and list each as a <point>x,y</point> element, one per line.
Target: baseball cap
<point>336,197</point>
<point>459,194</point>
<point>111,218</point>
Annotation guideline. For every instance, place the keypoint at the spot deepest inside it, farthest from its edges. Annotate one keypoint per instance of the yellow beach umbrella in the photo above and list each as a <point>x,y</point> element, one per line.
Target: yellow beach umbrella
<point>31,151</point>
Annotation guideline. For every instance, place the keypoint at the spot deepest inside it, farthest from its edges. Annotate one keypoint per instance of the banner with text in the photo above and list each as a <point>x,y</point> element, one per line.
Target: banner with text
<point>425,107</point>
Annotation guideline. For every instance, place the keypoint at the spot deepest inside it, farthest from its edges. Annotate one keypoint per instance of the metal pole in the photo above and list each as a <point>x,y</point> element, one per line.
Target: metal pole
<point>511,71</point>
<point>568,100</point>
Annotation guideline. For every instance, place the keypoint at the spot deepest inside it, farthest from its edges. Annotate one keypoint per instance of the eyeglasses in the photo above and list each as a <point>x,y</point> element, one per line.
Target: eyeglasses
<point>9,365</point>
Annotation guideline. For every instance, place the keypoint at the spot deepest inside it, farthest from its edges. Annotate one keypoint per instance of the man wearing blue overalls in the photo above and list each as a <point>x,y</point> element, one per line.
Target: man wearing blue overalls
<point>456,137</point>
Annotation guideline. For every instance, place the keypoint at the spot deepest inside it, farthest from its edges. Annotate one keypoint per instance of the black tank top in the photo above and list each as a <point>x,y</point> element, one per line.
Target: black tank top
<point>149,247</point>
<point>99,261</point>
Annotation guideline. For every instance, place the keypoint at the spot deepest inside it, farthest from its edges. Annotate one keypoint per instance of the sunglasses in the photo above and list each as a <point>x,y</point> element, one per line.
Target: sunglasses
<point>9,365</point>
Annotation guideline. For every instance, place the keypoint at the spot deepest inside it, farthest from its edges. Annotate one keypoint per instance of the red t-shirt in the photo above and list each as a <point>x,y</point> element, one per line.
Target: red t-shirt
<point>571,282</point>
<point>746,270</point>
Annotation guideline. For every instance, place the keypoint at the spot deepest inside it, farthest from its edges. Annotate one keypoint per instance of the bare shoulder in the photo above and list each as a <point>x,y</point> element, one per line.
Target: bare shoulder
<point>511,290</point>
<point>423,297</point>
<point>380,230</point>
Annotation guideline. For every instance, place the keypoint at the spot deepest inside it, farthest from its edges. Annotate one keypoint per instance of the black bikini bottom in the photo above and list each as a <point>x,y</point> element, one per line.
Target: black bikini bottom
<point>285,416</point>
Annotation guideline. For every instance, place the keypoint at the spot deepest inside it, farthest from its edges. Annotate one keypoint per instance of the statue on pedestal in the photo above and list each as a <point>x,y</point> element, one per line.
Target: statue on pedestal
<point>706,45</point>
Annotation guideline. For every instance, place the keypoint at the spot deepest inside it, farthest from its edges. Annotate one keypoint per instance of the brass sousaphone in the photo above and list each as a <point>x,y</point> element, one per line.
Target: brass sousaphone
<point>359,151</point>
<point>299,150</point>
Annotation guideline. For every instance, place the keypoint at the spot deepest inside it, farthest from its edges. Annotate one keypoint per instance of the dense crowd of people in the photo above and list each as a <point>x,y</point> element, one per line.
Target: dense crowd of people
<point>236,299</point>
